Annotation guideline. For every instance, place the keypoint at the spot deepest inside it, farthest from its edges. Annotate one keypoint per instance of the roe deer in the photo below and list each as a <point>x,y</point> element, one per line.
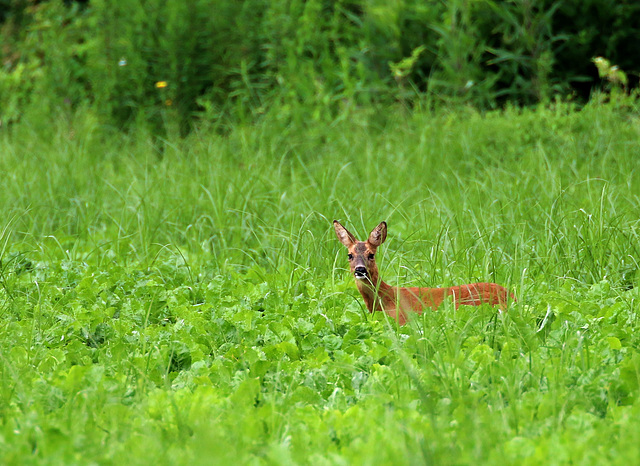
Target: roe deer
<point>397,302</point>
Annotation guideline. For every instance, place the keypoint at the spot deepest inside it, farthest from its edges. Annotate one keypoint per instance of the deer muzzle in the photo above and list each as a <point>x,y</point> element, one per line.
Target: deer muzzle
<point>360,272</point>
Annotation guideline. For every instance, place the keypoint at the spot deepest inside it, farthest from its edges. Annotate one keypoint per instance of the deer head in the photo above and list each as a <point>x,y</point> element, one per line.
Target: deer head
<point>362,254</point>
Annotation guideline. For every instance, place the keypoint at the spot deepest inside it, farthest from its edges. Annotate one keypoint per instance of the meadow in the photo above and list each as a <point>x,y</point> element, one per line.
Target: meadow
<point>184,300</point>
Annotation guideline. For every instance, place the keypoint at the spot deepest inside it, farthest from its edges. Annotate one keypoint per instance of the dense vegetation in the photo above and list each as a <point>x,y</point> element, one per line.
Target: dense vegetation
<point>187,299</point>
<point>229,60</point>
<point>171,289</point>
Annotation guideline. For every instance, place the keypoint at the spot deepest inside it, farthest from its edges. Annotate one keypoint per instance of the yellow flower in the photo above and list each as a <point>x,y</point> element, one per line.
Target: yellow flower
<point>161,84</point>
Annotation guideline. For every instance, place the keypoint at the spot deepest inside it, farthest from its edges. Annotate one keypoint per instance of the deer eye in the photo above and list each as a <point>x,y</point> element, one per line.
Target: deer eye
<point>350,256</point>
<point>370,256</point>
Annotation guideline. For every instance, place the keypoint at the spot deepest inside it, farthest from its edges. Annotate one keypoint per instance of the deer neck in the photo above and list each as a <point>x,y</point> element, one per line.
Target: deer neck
<point>375,292</point>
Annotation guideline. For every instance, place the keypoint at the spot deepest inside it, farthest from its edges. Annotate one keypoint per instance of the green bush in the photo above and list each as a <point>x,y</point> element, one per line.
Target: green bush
<point>158,57</point>
<point>167,62</point>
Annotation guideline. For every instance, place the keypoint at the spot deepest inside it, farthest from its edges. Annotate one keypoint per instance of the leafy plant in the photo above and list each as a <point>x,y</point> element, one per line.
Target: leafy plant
<point>616,77</point>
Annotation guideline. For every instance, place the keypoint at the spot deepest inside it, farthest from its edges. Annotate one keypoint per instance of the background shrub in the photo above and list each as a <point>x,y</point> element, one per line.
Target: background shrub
<point>224,59</point>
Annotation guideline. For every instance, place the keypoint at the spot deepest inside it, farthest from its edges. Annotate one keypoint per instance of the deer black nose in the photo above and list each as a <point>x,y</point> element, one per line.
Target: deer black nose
<point>360,270</point>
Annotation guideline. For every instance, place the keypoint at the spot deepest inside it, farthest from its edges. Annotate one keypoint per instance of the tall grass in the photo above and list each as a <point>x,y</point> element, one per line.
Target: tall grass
<point>465,194</point>
<point>181,300</point>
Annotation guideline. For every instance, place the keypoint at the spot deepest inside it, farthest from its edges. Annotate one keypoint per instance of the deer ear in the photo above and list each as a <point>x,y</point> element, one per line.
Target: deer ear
<point>344,235</point>
<point>378,235</point>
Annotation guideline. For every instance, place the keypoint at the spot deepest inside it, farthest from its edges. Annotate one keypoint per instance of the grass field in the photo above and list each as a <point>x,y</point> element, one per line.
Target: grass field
<point>185,301</point>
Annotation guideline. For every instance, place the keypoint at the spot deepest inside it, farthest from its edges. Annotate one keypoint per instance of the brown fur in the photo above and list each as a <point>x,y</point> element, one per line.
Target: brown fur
<point>397,302</point>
